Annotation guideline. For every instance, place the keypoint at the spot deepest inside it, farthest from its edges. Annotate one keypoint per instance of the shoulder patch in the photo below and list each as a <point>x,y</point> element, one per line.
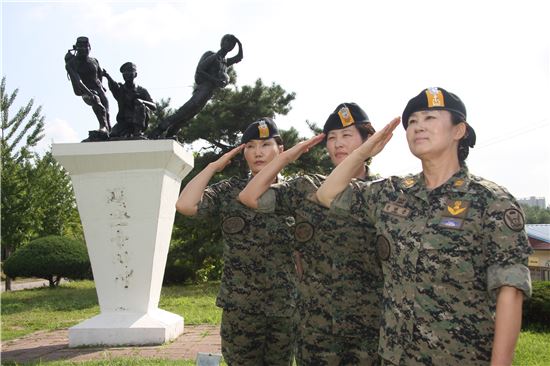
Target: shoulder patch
<point>513,218</point>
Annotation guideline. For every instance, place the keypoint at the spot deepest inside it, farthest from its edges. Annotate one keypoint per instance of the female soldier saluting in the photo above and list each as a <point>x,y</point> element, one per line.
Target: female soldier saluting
<point>340,289</point>
<point>257,292</point>
<point>453,245</point>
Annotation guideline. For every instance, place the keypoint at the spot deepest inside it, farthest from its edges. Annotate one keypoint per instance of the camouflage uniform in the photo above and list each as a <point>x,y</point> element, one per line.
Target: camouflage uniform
<point>444,252</point>
<point>341,286</point>
<point>257,291</point>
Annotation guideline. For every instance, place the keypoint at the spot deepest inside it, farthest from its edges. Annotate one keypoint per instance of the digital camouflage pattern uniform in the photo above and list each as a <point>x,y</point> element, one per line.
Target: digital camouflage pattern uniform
<point>444,252</point>
<point>258,289</point>
<point>340,290</point>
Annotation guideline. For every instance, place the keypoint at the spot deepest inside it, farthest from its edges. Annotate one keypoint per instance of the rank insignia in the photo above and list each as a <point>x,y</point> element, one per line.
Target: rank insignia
<point>263,130</point>
<point>513,218</point>
<point>409,182</point>
<point>458,208</point>
<point>435,98</point>
<point>345,116</point>
<point>459,183</point>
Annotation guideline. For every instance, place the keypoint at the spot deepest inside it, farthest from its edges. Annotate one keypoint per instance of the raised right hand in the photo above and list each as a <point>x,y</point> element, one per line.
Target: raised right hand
<point>225,159</point>
<point>302,147</point>
<point>376,142</point>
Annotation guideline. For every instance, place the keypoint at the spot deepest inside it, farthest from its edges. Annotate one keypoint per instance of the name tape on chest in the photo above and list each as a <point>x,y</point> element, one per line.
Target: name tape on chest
<point>396,210</point>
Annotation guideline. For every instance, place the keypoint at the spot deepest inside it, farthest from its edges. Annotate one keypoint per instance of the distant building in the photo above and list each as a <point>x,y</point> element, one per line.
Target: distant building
<point>533,201</point>
<point>539,261</point>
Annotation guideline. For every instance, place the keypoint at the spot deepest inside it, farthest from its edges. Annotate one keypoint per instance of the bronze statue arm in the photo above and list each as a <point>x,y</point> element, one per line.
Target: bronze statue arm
<point>152,106</point>
<point>238,57</point>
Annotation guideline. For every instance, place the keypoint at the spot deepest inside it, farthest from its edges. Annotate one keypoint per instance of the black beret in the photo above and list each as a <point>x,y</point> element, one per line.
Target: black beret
<point>128,67</point>
<point>346,114</point>
<point>438,99</point>
<point>263,129</point>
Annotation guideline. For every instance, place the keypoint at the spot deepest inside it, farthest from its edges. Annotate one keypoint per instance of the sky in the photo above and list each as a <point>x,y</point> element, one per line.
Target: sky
<point>495,55</point>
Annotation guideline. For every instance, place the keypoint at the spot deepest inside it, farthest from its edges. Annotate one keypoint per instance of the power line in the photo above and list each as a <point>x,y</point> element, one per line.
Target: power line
<point>542,123</point>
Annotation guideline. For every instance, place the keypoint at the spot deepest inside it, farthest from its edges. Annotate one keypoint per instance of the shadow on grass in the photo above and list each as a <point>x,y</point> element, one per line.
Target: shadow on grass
<point>202,289</point>
<point>536,328</point>
<point>55,299</point>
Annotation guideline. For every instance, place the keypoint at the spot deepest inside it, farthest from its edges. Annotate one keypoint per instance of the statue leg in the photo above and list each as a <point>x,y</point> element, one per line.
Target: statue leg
<point>170,126</point>
<point>189,110</point>
<point>105,103</point>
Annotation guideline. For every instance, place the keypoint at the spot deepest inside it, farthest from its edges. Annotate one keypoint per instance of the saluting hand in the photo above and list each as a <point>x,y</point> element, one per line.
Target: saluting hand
<point>302,147</point>
<point>376,142</point>
<point>225,159</point>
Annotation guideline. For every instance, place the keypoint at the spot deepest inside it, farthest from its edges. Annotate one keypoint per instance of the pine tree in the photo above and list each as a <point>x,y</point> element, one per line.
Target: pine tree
<point>19,134</point>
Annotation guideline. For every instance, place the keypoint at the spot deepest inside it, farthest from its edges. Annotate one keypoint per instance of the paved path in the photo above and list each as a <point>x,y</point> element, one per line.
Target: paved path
<point>51,346</point>
<point>27,284</point>
<point>16,286</point>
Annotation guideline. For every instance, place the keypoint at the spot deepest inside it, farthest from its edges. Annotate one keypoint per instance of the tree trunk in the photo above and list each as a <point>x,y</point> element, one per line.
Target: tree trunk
<point>52,282</point>
<point>7,253</point>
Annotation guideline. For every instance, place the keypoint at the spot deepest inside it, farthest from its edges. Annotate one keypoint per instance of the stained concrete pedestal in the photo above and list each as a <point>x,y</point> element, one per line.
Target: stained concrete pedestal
<point>126,193</point>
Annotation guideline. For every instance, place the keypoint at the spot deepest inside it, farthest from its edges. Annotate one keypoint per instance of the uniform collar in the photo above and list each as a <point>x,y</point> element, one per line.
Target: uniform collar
<point>279,178</point>
<point>416,185</point>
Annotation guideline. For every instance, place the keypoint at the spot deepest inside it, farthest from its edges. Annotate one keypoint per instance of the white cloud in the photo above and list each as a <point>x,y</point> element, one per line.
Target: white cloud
<point>56,131</point>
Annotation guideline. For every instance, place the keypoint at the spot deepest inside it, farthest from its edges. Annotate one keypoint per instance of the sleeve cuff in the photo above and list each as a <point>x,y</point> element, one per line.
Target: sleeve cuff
<point>514,275</point>
<point>341,205</point>
<point>266,202</point>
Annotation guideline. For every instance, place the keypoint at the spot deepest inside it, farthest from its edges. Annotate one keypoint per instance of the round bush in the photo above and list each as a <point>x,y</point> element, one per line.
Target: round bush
<point>536,310</point>
<point>50,257</point>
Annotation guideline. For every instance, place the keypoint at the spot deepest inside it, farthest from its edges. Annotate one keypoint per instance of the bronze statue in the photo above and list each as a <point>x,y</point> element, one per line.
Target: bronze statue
<point>85,75</point>
<point>211,74</point>
<point>134,104</point>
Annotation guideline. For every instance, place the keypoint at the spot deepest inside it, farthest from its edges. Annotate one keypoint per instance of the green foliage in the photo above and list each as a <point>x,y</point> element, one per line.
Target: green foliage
<point>536,215</point>
<point>536,310</point>
<point>19,134</point>
<point>53,200</point>
<point>51,257</point>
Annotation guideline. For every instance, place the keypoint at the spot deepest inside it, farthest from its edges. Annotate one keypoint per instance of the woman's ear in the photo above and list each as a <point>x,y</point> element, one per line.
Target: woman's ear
<point>460,130</point>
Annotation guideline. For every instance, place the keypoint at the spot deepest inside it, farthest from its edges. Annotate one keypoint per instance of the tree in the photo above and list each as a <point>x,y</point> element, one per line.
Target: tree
<point>19,134</point>
<point>52,258</point>
<point>536,215</point>
<point>53,200</point>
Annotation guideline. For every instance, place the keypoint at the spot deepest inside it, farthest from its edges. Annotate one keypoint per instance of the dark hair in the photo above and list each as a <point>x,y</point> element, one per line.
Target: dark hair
<point>365,129</point>
<point>278,140</point>
<point>463,148</point>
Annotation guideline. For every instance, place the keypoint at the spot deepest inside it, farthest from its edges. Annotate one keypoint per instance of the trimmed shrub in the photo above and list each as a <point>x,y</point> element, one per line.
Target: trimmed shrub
<point>536,310</point>
<point>50,257</point>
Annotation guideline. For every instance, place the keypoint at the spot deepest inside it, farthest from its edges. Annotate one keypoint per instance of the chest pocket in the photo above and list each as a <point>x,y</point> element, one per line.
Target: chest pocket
<point>451,239</point>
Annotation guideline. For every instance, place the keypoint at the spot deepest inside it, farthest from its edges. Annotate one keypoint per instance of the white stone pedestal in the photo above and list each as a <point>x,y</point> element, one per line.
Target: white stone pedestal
<point>126,193</point>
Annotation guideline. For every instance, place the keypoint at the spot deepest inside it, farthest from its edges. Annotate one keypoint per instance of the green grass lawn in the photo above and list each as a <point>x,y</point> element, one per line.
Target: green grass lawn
<point>28,311</point>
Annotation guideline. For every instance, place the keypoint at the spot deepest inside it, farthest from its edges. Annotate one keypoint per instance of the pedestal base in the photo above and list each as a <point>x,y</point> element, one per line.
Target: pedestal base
<point>127,329</point>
